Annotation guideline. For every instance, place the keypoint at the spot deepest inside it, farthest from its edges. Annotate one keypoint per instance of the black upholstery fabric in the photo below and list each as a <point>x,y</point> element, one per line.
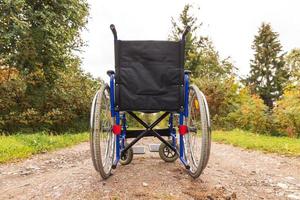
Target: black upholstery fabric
<point>149,75</point>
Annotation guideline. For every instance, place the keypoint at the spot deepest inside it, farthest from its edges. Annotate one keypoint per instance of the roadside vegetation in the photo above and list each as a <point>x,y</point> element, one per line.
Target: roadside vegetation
<point>21,146</point>
<point>42,87</point>
<point>24,145</point>
<point>247,140</point>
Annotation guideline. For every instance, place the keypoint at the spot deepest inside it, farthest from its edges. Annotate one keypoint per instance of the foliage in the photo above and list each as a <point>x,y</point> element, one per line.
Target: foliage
<point>265,143</point>
<point>132,123</point>
<point>268,74</point>
<point>24,145</point>
<point>70,100</point>
<point>42,87</point>
<point>7,74</point>
<point>287,113</point>
<point>221,96</point>
<point>201,57</point>
<point>149,118</point>
<point>292,60</point>
<point>38,37</point>
<point>250,113</point>
<point>66,105</point>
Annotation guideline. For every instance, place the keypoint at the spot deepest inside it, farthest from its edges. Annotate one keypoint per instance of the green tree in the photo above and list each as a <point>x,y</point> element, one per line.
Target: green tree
<point>268,74</point>
<point>38,67</point>
<point>200,56</point>
<point>39,37</point>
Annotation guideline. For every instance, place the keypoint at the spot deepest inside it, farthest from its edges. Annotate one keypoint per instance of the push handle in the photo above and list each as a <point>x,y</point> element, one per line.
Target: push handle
<point>114,31</point>
<point>186,31</point>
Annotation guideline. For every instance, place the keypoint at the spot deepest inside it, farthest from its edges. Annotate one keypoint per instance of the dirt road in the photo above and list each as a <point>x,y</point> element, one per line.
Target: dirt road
<point>232,173</point>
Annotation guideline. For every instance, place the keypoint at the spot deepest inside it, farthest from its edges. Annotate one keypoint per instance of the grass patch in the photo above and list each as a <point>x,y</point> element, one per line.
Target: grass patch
<point>265,143</point>
<point>24,145</point>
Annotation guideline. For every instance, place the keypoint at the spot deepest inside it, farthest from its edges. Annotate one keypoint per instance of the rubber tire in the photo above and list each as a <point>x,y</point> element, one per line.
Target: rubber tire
<point>94,138</point>
<point>95,164</point>
<point>129,157</point>
<point>205,150</point>
<point>163,156</point>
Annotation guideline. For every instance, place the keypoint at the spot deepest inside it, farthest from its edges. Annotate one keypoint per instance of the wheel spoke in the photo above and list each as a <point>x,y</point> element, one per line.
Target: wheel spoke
<point>102,138</point>
<point>197,142</point>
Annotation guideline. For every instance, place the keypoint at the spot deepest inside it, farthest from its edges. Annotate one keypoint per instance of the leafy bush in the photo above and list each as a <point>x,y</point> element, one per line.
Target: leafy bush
<point>287,113</point>
<point>222,96</point>
<point>64,106</point>
<point>231,107</point>
<point>251,113</point>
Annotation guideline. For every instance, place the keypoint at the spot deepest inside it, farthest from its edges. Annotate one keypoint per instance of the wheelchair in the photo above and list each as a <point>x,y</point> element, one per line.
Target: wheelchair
<point>149,77</point>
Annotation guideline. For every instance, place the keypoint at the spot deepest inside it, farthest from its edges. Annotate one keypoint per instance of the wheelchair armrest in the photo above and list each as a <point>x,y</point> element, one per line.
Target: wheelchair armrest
<point>110,72</point>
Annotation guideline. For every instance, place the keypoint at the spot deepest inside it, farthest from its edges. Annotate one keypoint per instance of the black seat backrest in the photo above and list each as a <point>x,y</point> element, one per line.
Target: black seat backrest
<point>149,75</point>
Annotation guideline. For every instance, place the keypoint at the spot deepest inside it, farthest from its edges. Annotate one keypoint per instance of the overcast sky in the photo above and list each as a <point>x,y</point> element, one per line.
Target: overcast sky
<point>230,24</point>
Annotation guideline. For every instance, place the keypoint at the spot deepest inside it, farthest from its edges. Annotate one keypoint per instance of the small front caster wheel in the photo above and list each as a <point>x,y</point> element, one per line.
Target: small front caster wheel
<point>127,157</point>
<point>167,154</point>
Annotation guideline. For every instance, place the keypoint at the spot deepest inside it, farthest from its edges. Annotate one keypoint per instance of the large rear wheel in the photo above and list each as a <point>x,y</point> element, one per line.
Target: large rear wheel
<point>198,139</point>
<point>101,137</point>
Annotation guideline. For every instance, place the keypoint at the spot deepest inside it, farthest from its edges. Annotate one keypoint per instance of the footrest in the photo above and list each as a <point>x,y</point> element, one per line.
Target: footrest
<point>154,147</point>
<point>139,150</point>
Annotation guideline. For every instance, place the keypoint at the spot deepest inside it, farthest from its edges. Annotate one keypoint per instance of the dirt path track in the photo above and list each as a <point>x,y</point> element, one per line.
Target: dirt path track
<point>232,173</point>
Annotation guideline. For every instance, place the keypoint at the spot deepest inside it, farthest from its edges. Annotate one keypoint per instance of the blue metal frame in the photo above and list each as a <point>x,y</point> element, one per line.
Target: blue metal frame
<point>181,118</point>
<point>112,95</point>
<point>122,136</point>
<point>186,95</point>
<point>116,115</point>
<point>118,149</point>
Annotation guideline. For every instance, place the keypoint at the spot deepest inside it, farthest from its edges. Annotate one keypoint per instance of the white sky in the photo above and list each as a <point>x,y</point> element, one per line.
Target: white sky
<point>230,24</point>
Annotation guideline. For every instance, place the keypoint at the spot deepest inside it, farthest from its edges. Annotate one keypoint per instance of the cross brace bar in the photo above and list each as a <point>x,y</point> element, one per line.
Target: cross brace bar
<point>149,130</point>
<point>135,133</point>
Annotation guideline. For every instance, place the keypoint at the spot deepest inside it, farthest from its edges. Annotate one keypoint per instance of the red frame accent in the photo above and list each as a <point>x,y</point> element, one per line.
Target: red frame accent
<point>116,129</point>
<point>183,129</point>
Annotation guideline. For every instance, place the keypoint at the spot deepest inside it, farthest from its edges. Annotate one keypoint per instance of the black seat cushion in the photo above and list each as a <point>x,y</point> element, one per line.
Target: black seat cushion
<point>149,76</point>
